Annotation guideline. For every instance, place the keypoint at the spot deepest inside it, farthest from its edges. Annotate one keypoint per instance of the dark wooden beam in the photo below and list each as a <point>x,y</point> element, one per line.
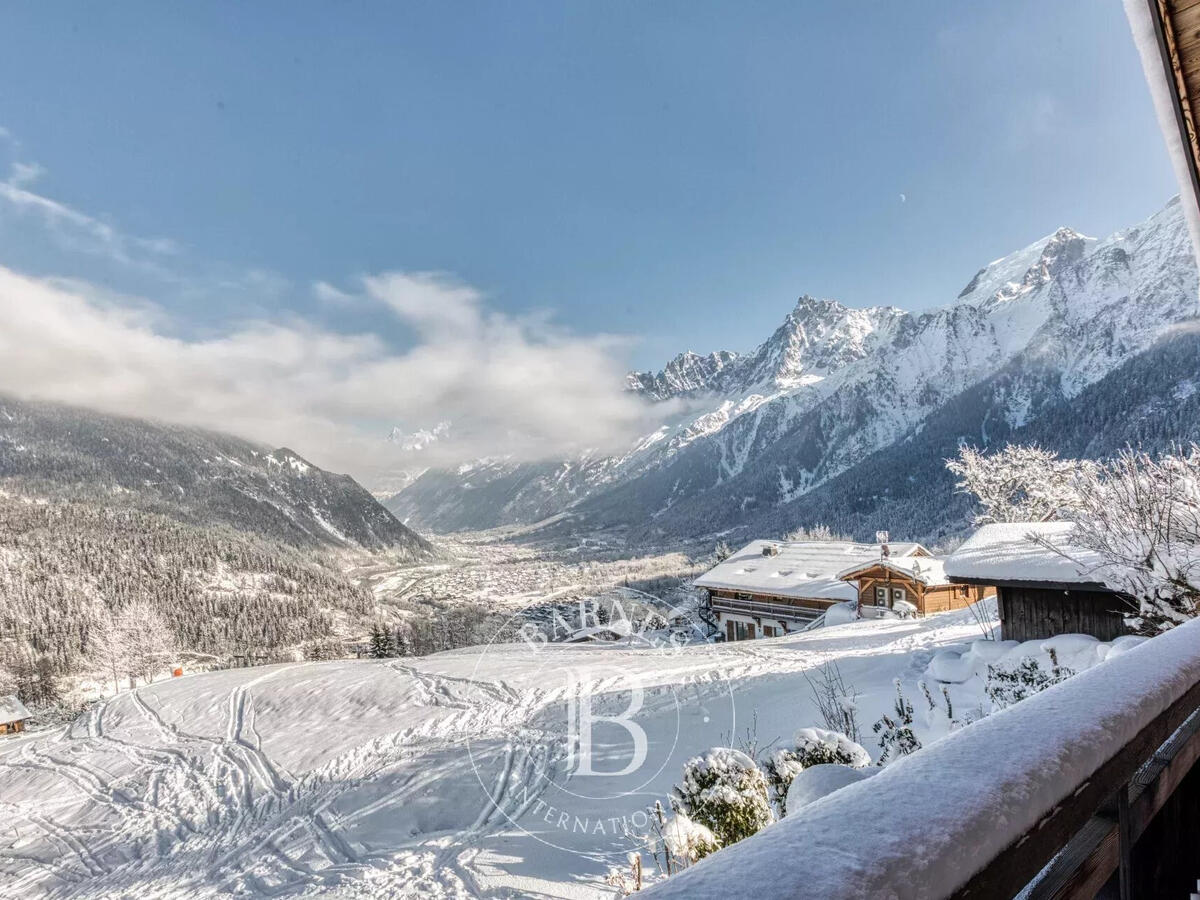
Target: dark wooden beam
<point>1164,15</point>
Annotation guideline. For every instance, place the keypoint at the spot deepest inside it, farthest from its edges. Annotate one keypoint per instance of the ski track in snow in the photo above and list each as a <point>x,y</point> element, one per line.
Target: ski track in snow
<point>177,789</point>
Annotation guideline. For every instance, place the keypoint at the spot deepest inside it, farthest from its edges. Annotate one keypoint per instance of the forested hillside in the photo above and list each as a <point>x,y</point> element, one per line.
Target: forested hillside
<point>67,566</point>
<point>191,474</point>
<point>127,545</point>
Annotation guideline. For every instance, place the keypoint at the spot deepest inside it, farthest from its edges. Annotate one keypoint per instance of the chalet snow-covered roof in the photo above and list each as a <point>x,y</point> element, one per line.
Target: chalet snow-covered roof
<point>797,568</point>
<point>12,710</point>
<point>925,569</point>
<point>1006,553</point>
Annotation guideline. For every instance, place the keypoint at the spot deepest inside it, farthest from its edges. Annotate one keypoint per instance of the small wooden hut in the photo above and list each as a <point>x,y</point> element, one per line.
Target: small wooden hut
<point>1040,592</point>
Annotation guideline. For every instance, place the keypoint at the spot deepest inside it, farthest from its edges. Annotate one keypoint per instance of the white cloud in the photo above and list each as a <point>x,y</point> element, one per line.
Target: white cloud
<point>510,386</point>
<point>75,229</point>
<point>327,293</point>
<point>431,302</point>
<point>25,173</point>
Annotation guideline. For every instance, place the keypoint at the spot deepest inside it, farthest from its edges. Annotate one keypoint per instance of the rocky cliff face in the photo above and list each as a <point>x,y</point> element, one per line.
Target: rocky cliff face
<point>745,435</point>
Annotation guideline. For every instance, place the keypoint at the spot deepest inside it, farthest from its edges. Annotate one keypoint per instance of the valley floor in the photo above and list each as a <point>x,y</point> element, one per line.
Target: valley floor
<point>506,575</point>
<point>445,776</point>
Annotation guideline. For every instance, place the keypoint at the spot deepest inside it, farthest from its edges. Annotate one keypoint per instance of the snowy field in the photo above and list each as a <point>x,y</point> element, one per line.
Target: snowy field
<point>445,776</point>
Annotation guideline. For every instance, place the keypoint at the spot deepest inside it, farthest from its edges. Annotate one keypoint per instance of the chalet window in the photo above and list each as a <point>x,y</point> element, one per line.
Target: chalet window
<point>768,631</point>
<point>898,596</point>
<point>881,596</point>
<point>742,596</point>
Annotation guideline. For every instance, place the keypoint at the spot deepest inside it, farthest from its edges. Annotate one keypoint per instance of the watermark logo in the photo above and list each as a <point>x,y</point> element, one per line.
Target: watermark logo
<point>606,701</point>
<point>581,720</point>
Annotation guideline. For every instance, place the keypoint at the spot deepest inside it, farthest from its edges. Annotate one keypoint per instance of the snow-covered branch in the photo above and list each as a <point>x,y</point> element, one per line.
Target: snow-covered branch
<point>1016,484</point>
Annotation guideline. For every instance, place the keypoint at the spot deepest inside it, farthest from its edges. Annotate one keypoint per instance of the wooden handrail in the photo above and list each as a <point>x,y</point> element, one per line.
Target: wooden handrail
<point>1050,797</point>
<point>1021,862</point>
<point>1090,858</point>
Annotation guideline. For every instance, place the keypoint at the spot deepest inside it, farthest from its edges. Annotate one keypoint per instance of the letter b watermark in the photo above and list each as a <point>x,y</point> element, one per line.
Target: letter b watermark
<point>581,720</point>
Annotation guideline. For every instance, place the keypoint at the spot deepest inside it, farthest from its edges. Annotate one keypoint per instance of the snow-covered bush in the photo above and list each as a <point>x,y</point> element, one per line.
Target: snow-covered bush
<point>781,768</point>
<point>687,840</point>
<point>724,791</point>
<point>817,746</point>
<point>1016,484</point>
<point>1012,683</point>
<point>896,735</point>
<point>812,747</point>
<point>1141,517</point>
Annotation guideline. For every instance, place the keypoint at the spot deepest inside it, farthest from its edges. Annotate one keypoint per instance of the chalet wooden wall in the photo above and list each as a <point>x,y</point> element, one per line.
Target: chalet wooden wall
<point>947,597</point>
<point>1027,614</point>
<point>927,599</point>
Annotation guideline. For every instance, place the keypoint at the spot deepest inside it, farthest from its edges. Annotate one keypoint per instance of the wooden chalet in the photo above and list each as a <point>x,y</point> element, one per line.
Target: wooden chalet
<point>12,715</point>
<point>912,584</point>
<point>1040,592</point>
<point>770,588</point>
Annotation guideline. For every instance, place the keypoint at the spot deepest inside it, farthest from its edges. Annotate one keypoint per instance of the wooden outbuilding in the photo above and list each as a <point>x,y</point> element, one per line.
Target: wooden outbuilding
<point>1040,591</point>
<point>13,715</point>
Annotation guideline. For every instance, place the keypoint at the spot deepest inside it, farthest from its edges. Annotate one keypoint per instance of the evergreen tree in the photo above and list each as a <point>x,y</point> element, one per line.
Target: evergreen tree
<point>381,643</point>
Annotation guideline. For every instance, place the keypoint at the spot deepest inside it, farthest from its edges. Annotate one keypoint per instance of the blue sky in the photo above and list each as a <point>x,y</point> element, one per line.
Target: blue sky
<point>678,171</point>
<point>227,214</point>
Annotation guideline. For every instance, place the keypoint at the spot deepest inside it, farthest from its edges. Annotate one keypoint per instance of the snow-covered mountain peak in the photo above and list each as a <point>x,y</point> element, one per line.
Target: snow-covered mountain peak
<point>833,385</point>
<point>1015,275</point>
<point>815,339</point>
<point>687,373</point>
<point>419,439</point>
<point>818,337</point>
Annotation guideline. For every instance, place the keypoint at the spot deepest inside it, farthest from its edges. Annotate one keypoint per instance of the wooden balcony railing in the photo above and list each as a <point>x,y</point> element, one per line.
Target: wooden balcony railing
<point>765,608</point>
<point>1088,789</point>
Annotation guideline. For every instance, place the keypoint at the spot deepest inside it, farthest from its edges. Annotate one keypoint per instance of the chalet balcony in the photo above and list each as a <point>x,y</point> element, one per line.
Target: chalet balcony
<point>1087,789</point>
<point>766,609</point>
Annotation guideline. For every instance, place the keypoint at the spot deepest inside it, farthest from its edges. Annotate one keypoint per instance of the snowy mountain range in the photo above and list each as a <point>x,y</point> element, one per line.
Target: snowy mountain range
<point>197,476</point>
<point>746,438</point>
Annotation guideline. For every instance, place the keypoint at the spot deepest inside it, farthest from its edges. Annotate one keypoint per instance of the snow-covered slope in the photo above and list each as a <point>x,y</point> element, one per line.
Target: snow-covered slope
<point>832,385</point>
<point>430,777</point>
<point>200,476</point>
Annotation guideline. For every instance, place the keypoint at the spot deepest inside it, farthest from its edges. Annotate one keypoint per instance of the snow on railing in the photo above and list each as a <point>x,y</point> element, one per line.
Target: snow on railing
<point>987,806</point>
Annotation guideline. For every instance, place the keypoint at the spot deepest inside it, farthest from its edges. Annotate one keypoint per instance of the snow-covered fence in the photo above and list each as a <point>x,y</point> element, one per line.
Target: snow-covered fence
<point>1077,772</point>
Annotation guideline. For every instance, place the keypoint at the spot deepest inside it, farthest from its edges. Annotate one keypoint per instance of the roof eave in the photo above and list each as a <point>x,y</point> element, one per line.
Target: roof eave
<point>1037,585</point>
